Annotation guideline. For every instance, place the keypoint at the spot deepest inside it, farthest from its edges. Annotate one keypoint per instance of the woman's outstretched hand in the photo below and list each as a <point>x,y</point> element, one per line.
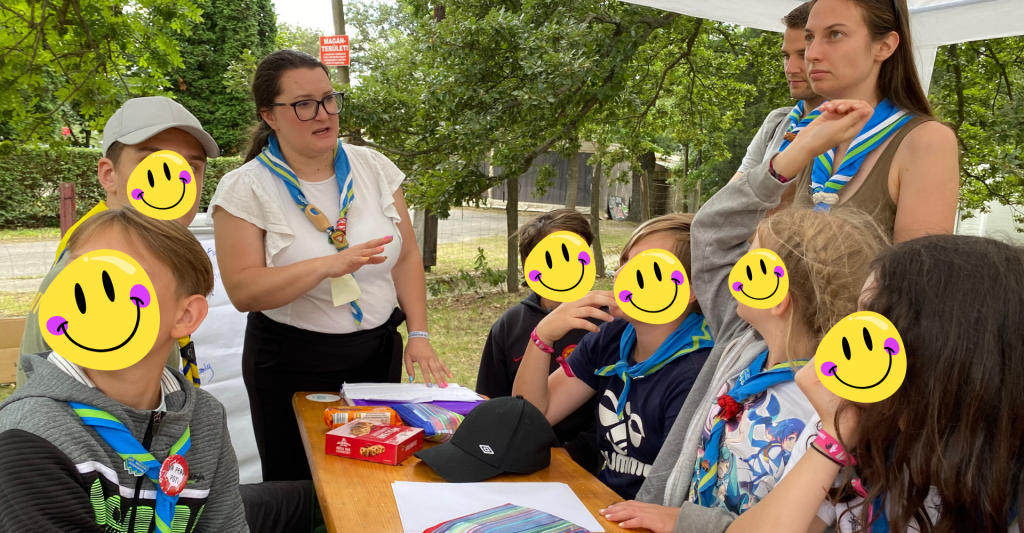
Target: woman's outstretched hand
<point>355,257</point>
<point>840,121</point>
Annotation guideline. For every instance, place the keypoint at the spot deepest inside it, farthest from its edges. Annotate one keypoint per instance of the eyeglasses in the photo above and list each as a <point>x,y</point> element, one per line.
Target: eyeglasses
<point>306,110</point>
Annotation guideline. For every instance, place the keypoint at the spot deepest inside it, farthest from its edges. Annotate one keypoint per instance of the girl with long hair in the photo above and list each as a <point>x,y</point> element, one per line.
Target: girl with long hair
<point>876,145</point>
<point>945,452</point>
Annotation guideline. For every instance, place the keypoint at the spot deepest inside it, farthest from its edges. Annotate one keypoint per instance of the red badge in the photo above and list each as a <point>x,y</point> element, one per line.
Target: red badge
<point>173,475</point>
<point>568,351</point>
<point>342,224</point>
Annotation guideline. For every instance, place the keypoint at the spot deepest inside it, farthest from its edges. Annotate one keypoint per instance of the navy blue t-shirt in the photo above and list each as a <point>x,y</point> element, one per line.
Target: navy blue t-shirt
<point>629,446</point>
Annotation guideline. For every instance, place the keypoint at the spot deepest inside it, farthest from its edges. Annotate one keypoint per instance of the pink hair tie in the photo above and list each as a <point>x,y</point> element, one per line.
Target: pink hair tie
<point>828,444</point>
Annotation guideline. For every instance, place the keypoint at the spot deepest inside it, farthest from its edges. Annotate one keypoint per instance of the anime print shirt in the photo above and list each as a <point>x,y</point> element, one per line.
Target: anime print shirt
<point>756,445</point>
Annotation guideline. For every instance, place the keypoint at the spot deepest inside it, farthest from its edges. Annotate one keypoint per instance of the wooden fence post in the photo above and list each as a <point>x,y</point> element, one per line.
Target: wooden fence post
<point>67,207</point>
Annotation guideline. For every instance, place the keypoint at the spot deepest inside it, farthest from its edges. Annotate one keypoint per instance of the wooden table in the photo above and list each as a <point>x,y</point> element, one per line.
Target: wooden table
<point>356,495</point>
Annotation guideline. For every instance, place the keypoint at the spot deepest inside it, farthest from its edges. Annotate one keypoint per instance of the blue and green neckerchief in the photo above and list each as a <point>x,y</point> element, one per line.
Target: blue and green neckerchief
<point>797,124</point>
<point>137,459</point>
<point>825,185</point>
<point>273,159</point>
<point>691,335</point>
<point>754,380</point>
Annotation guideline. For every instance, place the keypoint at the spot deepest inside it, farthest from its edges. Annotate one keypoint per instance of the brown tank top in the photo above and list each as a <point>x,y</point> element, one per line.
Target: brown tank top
<point>873,195</point>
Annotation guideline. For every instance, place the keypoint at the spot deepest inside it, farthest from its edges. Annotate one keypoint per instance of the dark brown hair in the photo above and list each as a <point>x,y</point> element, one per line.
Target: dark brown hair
<point>677,226</point>
<point>797,19</point>
<point>114,152</point>
<point>827,258</point>
<point>266,87</point>
<point>957,422</point>
<point>543,225</point>
<point>168,241</point>
<point>898,80</point>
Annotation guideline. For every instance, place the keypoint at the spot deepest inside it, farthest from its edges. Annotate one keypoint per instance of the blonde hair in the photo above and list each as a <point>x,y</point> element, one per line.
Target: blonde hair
<point>677,226</point>
<point>828,258</point>
<point>167,240</point>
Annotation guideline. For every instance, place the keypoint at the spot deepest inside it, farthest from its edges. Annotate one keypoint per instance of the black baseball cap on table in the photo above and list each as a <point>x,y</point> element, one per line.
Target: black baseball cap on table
<point>502,435</point>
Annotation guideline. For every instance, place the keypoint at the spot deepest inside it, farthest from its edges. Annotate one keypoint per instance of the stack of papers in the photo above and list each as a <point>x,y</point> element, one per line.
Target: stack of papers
<point>408,393</point>
<point>425,505</point>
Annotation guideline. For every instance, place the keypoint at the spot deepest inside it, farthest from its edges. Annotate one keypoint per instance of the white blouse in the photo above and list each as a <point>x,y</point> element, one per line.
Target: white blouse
<point>253,194</point>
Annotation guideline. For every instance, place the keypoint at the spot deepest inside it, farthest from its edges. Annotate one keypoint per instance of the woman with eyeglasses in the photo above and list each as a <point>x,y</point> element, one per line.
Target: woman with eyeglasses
<point>876,146</point>
<point>315,242</point>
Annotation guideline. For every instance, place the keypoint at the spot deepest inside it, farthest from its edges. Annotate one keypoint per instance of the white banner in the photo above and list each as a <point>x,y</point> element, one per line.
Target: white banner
<point>219,352</point>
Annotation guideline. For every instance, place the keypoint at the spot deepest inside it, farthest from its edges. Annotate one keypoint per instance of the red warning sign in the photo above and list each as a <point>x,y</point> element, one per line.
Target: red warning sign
<point>334,50</point>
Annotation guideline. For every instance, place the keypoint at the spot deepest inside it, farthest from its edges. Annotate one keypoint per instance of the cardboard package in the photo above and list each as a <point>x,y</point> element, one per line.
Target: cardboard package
<point>370,441</point>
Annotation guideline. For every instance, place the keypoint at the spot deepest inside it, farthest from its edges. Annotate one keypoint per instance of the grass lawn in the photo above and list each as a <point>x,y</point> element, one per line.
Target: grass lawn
<point>459,327</point>
<point>29,235</point>
<point>15,304</point>
<point>5,391</point>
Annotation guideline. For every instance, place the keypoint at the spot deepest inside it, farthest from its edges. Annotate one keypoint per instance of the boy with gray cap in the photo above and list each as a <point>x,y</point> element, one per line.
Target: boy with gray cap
<point>140,127</point>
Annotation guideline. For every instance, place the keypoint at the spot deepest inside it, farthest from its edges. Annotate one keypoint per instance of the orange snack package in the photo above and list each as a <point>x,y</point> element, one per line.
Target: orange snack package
<point>340,415</point>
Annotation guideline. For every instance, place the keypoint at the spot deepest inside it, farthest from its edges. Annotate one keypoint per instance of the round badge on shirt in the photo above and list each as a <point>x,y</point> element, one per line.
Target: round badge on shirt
<point>173,475</point>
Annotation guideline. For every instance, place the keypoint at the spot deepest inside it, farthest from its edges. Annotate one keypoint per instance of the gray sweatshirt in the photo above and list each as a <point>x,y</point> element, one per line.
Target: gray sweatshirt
<point>56,474</point>
<point>718,239</point>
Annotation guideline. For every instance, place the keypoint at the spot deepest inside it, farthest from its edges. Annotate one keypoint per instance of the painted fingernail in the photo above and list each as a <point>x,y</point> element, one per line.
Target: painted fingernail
<point>390,237</point>
<point>410,379</point>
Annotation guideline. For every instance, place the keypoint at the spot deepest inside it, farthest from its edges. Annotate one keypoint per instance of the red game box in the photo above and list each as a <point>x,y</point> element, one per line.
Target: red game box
<point>370,441</point>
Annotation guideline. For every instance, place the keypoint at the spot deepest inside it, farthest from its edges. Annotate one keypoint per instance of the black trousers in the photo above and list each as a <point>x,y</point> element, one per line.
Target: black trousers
<point>279,506</point>
<point>279,360</point>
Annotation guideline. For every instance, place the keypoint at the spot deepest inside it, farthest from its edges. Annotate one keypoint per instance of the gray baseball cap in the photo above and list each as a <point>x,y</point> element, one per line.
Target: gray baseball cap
<point>141,118</point>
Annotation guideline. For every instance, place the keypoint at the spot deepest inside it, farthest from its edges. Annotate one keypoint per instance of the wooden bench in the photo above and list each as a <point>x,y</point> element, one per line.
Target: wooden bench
<point>10,341</point>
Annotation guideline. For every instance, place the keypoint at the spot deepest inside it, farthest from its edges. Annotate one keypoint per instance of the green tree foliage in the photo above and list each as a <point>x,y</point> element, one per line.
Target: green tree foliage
<point>978,89</point>
<point>73,62</point>
<point>231,31</point>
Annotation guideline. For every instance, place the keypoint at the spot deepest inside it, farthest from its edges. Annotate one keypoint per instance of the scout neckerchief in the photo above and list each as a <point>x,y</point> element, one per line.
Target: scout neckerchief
<point>753,380</point>
<point>137,459</point>
<point>690,336</point>
<point>273,159</point>
<point>825,186</point>
<point>99,208</point>
<point>796,124</point>
<point>188,352</point>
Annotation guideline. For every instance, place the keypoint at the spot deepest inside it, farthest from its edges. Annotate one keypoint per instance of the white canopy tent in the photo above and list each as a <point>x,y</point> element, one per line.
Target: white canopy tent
<point>934,23</point>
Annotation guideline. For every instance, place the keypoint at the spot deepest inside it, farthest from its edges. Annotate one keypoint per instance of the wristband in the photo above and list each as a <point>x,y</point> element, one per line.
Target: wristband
<point>829,445</point>
<point>540,344</point>
<point>826,455</point>
<point>419,335</point>
<point>776,175</point>
<point>565,366</point>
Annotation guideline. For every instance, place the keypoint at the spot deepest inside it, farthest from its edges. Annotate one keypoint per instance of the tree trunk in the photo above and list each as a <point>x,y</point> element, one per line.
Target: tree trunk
<point>595,218</point>
<point>512,226</point>
<point>339,29</point>
<point>647,163</point>
<point>573,181</point>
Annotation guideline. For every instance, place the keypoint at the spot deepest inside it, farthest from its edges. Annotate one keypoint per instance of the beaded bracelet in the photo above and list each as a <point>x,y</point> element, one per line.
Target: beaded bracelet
<point>776,175</point>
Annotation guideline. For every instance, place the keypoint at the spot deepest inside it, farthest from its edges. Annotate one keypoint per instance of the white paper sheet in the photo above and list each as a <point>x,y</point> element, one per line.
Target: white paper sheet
<point>425,505</point>
<point>409,392</point>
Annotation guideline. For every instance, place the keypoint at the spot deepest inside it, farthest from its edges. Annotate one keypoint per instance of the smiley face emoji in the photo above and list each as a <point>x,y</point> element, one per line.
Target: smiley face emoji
<point>559,268</point>
<point>101,311</point>
<point>162,186</point>
<point>861,358</point>
<point>652,287</point>
<point>759,279</point>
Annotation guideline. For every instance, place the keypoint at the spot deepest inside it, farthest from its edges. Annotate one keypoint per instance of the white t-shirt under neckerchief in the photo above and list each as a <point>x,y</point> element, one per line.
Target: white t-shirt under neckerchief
<point>168,383</point>
<point>253,194</point>
<point>848,513</point>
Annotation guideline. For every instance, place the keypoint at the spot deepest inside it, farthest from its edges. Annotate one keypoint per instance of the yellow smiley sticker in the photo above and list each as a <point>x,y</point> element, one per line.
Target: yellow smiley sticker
<point>560,268</point>
<point>759,279</point>
<point>862,358</point>
<point>101,311</point>
<point>162,186</point>
<point>652,287</point>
